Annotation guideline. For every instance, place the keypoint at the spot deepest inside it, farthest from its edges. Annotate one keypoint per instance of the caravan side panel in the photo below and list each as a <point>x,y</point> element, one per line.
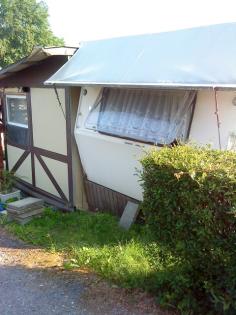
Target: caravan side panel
<point>113,162</point>
<point>108,161</point>
<point>204,126</point>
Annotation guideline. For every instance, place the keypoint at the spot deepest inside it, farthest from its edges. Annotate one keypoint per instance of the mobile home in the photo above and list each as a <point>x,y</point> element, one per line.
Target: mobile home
<point>148,90</point>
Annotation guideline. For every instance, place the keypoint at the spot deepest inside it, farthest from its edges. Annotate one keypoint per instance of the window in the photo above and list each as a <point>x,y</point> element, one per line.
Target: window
<point>17,119</point>
<point>17,110</point>
<point>92,119</point>
<point>156,116</point>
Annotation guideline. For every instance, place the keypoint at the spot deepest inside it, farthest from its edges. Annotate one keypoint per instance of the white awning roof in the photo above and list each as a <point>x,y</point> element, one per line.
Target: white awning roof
<point>200,57</point>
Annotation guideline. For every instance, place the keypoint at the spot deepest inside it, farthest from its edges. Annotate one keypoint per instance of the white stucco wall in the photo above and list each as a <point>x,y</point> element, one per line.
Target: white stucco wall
<point>24,172</point>
<point>112,162</point>
<point>49,124</point>
<point>49,133</point>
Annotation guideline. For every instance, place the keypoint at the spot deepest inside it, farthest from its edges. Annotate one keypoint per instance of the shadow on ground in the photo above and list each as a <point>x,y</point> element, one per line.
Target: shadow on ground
<point>33,281</point>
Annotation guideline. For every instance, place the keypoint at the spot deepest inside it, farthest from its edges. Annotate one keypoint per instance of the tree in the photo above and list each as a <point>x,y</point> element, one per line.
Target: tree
<point>23,25</point>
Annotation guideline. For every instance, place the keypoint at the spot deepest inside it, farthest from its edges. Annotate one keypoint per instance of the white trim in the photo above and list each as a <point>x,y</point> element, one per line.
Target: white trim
<point>112,138</point>
<point>12,96</point>
<point>129,84</point>
<point>15,96</point>
<point>18,125</point>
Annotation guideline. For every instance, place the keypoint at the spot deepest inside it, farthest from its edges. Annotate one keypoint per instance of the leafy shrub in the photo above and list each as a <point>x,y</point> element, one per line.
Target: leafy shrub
<point>7,181</point>
<point>190,205</point>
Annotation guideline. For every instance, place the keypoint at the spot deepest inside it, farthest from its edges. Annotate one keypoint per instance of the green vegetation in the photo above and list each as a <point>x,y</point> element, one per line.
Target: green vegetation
<point>185,253</point>
<point>23,25</point>
<point>95,241</point>
<point>7,181</point>
<point>190,207</point>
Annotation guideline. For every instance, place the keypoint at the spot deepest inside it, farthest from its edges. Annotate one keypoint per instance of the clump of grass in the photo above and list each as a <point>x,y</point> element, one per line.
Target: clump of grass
<point>95,241</point>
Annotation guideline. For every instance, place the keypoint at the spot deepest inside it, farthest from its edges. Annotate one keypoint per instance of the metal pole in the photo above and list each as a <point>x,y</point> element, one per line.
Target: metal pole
<point>59,102</point>
<point>217,117</point>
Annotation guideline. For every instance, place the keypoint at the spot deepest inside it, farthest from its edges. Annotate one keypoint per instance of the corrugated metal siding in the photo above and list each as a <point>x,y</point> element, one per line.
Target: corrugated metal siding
<point>104,199</point>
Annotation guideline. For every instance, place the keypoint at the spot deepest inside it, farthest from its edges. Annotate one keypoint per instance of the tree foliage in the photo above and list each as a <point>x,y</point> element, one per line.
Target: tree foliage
<point>23,25</point>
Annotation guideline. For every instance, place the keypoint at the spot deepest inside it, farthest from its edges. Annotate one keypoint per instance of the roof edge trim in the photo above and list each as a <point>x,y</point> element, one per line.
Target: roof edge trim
<point>144,85</point>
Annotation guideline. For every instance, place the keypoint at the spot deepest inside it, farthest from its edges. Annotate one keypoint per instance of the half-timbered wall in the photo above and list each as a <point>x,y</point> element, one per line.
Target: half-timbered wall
<point>24,171</point>
<point>44,166</point>
<point>46,158</point>
<point>49,134</point>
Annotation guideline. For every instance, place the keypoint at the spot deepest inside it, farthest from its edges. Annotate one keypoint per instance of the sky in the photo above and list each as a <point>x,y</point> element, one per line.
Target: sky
<point>80,20</point>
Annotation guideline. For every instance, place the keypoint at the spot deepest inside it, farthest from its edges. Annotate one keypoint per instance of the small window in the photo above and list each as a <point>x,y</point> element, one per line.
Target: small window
<point>94,112</point>
<point>154,116</point>
<point>17,120</point>
<point>92,120</point>
<point>17,110</point>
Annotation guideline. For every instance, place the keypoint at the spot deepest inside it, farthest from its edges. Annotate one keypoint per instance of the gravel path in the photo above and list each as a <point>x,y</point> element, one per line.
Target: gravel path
<point>33,281</point>
<point>26,290</point>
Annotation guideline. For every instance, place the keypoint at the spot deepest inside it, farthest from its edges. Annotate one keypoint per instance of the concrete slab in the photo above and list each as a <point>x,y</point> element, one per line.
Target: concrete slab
<point>129,215</point>
<point>23,210</point>
<point>26,214</point>
<point>24,203</point>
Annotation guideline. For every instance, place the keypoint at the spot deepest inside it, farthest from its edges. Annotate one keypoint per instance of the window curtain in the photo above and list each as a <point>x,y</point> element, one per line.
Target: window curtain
<point>157,116</point>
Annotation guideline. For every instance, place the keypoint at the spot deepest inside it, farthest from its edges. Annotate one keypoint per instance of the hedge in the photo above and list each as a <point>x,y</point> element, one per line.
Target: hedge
<point>190,205</point>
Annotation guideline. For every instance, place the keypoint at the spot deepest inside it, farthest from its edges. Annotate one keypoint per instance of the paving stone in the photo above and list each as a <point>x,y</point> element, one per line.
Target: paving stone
<point>25,203</point>
<point>22,210</point>
<point>26,214</point>
<point>25,209</point>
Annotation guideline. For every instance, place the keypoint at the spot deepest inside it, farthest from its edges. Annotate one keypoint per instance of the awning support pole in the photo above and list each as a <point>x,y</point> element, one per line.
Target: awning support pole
<point>59,102</point>
<point>217,117</point>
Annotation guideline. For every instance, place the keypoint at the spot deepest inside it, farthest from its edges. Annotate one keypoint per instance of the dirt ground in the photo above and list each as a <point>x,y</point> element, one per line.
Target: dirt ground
<point>33,281</point>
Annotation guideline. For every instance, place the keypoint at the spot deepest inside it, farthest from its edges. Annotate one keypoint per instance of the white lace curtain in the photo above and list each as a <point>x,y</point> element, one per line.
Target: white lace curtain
<point>158,116</point>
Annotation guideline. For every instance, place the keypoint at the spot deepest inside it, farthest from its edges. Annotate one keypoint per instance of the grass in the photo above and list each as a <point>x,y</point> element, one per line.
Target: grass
<point>95,241</point>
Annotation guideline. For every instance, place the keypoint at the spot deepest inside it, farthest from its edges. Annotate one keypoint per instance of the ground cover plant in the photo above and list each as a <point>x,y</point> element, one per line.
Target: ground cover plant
<point>95,241</point>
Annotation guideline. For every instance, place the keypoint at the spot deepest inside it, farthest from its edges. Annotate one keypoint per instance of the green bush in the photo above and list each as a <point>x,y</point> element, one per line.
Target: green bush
<point>190,205</point>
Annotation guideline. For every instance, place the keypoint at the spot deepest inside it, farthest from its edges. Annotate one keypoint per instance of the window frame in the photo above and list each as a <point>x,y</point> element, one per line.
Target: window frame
<point>9,96</point>
<point>99,101</point>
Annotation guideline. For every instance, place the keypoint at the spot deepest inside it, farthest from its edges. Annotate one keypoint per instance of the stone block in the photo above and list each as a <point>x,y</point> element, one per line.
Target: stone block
<point>129,215</point>
<point>25,203</point>
<point>24,210</point>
